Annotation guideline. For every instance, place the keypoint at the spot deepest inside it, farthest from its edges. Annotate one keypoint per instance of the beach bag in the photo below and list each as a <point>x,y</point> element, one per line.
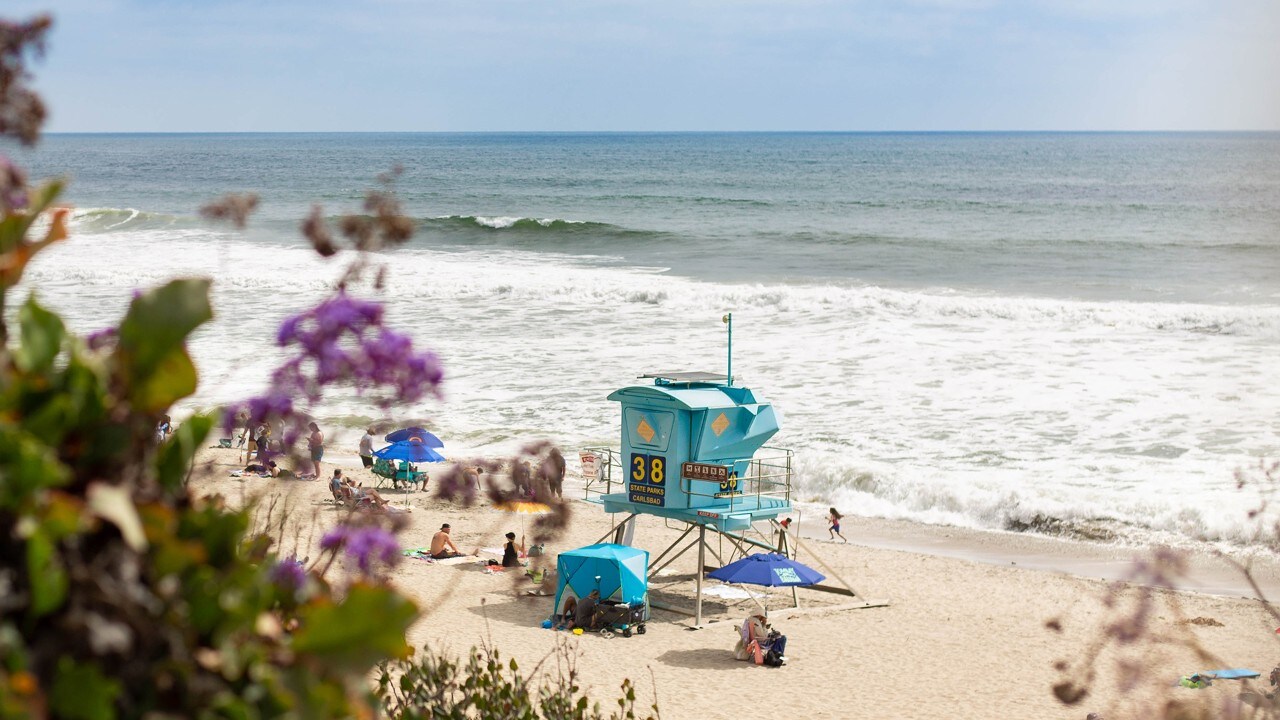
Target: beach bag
<point>535,551</point>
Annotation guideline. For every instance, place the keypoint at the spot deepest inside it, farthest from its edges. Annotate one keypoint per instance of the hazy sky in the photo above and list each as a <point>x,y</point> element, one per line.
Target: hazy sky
<point>279,65</point>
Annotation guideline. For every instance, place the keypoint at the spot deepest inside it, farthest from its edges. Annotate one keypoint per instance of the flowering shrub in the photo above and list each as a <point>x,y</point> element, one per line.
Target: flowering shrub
<point>439,688</point>
<point>123,596</point>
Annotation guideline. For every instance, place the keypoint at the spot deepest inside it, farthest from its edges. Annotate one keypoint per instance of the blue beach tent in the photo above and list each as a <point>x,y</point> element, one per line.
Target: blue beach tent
<point>619,572</point>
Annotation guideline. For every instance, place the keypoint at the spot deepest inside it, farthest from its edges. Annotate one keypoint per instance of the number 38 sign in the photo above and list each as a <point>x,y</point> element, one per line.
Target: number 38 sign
<point>647,480</point>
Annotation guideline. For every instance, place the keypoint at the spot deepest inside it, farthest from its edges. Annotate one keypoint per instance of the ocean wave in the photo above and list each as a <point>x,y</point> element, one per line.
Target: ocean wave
<point>511,278</point>
<point>553,234</point>
<point>1104,514</point>
<point>512,222</point>
<point>96,220</point>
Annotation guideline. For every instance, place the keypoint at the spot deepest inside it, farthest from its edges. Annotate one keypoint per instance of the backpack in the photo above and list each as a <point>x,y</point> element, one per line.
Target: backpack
<point>772,659</point>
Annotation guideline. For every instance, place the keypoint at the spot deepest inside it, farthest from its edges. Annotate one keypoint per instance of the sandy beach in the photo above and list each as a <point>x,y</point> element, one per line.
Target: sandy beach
<point>977,624</point>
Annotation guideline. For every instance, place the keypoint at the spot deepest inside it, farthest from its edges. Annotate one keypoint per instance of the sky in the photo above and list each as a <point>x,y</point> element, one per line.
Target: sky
<point>658,65</point>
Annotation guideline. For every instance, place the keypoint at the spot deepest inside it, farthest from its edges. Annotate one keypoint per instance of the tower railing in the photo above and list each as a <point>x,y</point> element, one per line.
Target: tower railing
<point>768,480</point>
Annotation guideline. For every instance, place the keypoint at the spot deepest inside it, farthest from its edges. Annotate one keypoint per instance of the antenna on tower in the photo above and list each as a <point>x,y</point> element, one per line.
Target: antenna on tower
<point>728,320</point>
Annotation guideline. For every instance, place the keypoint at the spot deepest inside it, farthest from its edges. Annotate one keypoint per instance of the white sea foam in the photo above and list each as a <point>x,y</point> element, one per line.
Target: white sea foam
<point>987,411</point>
<point>497,222</point>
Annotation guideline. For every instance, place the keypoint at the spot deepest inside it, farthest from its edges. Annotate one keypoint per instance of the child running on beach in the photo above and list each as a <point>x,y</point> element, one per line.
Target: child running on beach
<point>834,520</point>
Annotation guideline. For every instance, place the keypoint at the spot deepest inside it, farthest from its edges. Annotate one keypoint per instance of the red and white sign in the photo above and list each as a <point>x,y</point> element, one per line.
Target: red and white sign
<point>590,465</point>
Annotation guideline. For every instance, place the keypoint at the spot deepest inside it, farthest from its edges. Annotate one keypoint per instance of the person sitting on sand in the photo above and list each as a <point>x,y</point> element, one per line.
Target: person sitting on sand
<point>442,547</point>
<point>759,641</point>
<point>337,486</point>
<point>585,614</point>
<point>369,495</point>
<point>568,613</point>
<point>510,554</point>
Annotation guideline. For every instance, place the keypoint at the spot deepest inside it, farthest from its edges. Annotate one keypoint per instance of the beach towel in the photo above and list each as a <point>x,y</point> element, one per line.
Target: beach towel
<point>419,554</point>
<point>1194,682</point>
<point>1232,673</point>
<point>729,592</point>
<point>462,560</point>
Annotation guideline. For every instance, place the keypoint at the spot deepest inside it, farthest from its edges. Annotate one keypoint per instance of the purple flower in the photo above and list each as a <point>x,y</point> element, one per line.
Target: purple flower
<point>273,405</point>
<point>99,339</point>
<point>341,340</point>
<point>365,545</point>
<point>13,187</point>
<point>288,574</point>
<point>372,544</point>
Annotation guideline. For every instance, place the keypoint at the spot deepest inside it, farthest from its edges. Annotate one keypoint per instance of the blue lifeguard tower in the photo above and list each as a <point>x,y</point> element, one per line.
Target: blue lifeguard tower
<point>689,453</point>
<point>693,450</point>
<point>688,446</point>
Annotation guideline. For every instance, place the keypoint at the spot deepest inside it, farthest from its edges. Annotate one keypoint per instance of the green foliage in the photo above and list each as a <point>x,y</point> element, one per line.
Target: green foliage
<point>121,596</point>
<point>436,687</point>
<point>365,628</point>
<point>151,356</point>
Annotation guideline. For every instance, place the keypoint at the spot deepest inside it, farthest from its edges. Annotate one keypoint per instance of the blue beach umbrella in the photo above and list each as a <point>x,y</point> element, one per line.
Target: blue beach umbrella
<point>770,569</point>
<point>414,451</point>
<point>410,433</point>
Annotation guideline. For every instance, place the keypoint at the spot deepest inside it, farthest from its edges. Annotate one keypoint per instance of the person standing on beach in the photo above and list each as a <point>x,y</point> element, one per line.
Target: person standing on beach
<point>315,443</point>
<point>834,520</point>
<point>246,432</point>
<point>366,448</point>
<point>259,444</point>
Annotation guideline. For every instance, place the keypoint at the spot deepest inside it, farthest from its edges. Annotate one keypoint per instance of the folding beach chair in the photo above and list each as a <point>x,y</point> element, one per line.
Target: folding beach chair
<point>385,470</point>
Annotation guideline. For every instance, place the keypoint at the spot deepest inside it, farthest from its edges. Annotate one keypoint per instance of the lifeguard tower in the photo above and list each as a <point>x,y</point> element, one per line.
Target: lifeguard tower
<point>689,450</point>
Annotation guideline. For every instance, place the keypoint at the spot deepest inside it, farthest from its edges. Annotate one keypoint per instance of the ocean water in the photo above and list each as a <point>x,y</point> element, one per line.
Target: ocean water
<point>1072,334</point>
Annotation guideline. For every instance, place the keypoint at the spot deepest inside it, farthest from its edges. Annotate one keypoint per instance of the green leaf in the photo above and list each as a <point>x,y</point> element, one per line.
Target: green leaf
<point>151,351</point>
<point>16,247</point>
<point>367,627</point>
<point>174,458</point>
<point>42,336</point>
<point>45,573</point>
<point>27,466</point>
<point>14,227</point>
<point>82,692</point>
<point>174,379</point>
<point>114,504</point>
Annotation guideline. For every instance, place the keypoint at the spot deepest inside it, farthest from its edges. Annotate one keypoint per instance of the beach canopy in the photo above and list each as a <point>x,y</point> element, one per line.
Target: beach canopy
<point>414,451</point>
<point>410,433</point>
<point>619,572</point>
<point>770,569</point>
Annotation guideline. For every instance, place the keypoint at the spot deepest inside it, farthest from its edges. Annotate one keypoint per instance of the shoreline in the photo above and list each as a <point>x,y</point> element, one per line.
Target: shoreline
<point>949,622</point>
<point>1206,573</point>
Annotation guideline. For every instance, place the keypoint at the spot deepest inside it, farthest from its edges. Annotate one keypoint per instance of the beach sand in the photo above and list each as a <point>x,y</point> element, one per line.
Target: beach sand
<point>967,632</point>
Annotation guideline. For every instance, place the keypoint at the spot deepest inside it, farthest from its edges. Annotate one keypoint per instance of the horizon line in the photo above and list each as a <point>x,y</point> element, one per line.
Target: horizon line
<point>666,132</point>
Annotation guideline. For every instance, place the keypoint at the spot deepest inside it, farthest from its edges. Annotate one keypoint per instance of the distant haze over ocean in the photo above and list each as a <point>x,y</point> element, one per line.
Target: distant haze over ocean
<point>1074,334</point>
